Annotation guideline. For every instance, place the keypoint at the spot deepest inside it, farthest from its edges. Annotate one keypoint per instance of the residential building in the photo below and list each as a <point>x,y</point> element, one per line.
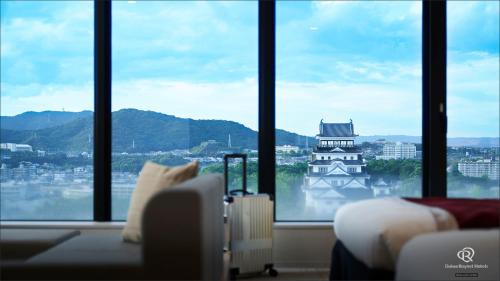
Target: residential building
<point>480,168</point>
<point>287,148</point>
<point>16,147</point>
<point>398,150</point>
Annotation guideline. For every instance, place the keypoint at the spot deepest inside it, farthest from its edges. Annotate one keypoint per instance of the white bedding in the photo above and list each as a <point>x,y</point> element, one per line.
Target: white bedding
<point>375,230</point>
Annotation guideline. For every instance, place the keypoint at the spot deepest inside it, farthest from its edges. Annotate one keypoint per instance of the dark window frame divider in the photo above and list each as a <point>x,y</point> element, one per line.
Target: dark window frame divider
<point>267,99</point>
<point>434,120</point>
<point>102,110</point>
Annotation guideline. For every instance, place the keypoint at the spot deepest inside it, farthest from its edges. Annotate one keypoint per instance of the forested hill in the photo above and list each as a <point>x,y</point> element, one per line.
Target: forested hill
<point>31,120</point>
<point>145,131</point>
<point>133,131</point>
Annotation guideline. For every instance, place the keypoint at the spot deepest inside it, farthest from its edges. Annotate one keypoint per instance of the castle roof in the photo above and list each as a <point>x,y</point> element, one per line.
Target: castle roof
<point>336,129</point>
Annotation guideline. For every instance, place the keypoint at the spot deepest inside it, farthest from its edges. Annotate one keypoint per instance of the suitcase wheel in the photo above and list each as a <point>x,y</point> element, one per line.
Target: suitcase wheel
<point>273,272</point>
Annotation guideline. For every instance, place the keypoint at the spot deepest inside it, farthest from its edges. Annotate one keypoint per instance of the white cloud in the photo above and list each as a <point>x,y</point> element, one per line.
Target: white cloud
<point>349,12</point>
<point>235,101</point>
<point>473,95</point>
<point>20,98</point>
<point>372,106</point>
<point>67,27</point>
<point>392,106</point>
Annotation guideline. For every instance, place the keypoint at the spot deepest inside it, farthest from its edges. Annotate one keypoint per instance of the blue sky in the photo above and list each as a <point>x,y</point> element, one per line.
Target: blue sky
<point>335,60</point>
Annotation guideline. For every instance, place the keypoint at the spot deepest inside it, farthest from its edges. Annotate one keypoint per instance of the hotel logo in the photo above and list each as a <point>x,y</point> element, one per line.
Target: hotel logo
<point>466,254</point>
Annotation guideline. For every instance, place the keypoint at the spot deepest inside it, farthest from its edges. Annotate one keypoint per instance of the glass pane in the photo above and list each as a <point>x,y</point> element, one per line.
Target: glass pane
<point>184,87</point>
<point>348,104</point>
<point>473,99</point>
<point>46,102</point>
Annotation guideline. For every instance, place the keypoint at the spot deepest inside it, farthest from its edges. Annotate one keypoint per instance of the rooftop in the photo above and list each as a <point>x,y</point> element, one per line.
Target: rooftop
<point>336,129</point>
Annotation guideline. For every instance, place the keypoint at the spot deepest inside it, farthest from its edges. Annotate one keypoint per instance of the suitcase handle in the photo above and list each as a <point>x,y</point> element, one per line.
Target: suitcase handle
<point>226,168</point>
<point>236,191</point>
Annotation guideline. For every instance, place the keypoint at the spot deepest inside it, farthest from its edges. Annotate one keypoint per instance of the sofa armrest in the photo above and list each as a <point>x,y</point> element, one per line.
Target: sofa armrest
<point>182,230</point>
<point>435,256</point>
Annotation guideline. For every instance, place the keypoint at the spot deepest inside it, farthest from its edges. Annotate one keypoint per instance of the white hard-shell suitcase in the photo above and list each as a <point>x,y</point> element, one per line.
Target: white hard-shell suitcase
<point>250,221</point>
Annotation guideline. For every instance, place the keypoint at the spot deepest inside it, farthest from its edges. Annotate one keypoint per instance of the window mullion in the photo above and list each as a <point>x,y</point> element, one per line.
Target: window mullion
<point>267,59</point>
<point>434,99</point>
<point>102,110</point>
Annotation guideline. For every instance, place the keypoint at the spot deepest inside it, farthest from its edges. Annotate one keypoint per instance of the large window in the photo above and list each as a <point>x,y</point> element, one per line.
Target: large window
<point>184,89</point>
<point>348,104</point>
<point>473,99</point>
<point>46,101</point>
<point>190,81</point>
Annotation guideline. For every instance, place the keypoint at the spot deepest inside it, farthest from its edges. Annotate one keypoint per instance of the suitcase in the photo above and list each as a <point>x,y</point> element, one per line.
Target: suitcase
<point>250,221</point>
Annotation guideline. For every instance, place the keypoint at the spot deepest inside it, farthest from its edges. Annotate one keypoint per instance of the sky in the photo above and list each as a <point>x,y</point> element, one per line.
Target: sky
<point>335,61</point>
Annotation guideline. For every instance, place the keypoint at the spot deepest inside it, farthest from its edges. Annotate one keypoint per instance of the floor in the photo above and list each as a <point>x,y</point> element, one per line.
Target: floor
<point>293,274</point>
<point>287,273</point>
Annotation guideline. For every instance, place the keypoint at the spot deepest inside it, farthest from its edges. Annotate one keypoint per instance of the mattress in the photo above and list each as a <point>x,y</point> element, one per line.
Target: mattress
<point>375,230</point>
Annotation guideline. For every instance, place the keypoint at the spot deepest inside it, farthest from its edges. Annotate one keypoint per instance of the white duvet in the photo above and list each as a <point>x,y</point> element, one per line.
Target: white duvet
<point>375,230</point>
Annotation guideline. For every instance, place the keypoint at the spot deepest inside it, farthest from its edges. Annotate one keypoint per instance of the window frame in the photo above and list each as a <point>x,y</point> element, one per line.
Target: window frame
<point>433,102</point>
<point>434,120</point>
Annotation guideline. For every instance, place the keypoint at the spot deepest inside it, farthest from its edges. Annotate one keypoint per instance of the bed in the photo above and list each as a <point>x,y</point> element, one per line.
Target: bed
<point>372,233</point>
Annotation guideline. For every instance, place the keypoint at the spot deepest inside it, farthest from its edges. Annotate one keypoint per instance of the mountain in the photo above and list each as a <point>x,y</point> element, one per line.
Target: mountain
<point>141,131</point>
<point>31,120</point>
<point>72,136</point>
<point>391,138</point>
<point>457,141</point>
<point>474,142</point>
<point>144,131</point>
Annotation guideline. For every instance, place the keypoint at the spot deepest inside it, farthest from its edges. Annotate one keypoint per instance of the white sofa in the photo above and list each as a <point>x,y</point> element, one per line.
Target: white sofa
<point>434,256</point>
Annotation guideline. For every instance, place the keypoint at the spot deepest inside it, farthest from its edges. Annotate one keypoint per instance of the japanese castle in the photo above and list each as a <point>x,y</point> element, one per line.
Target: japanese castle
<point>336,171</point>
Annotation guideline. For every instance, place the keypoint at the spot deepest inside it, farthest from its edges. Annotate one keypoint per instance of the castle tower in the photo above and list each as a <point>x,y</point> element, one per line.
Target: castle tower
<point>336,173</point>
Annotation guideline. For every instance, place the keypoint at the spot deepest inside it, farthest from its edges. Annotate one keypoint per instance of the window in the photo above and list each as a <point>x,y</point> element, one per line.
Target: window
<point>473,99</point>
<point>184,89</point>
<point>332,67</point>
<point>173,64</point>
<point>46,104</point>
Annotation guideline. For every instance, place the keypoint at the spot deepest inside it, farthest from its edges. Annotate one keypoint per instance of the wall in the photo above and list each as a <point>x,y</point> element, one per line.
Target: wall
<point>303,245</point>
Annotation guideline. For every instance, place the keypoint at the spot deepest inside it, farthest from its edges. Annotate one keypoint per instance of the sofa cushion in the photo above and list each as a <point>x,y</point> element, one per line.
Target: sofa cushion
<point>102,249</point>
<point>23,243</point>
<point>85,257</point>
<point>153,178</point>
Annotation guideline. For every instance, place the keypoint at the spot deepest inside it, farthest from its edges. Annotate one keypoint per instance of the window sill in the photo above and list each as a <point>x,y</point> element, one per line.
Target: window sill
<point>120,224</point>
<point>62,224</point>
<point>303,225</point>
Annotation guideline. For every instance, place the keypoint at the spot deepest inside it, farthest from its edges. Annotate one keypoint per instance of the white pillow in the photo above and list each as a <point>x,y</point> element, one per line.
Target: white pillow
<point>152,178</point>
